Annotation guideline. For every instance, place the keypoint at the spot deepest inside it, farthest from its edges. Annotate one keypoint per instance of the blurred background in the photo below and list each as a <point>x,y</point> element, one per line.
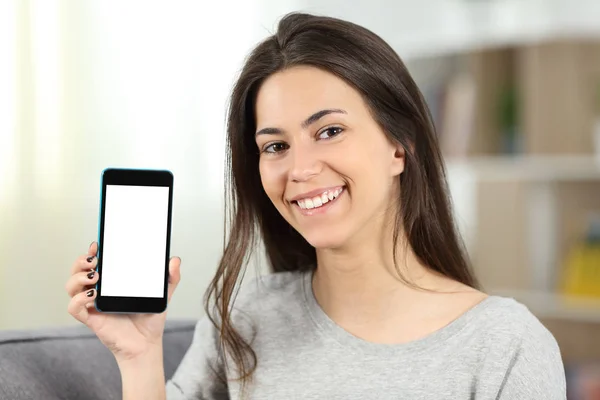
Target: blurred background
<point>513,86</point>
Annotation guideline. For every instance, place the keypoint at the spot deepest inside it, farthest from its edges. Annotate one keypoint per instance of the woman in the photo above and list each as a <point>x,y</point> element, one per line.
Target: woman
<point>334,164</point>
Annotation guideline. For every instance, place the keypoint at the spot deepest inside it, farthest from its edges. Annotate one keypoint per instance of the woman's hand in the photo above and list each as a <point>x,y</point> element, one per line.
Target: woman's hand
<point>127,336</point>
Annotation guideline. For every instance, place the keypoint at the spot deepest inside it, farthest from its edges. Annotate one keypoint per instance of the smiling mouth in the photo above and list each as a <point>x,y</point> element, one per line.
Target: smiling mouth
<point>316,202</point>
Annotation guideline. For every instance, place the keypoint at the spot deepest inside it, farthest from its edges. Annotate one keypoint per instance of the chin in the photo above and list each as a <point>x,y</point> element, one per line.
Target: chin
<point>325,239</point>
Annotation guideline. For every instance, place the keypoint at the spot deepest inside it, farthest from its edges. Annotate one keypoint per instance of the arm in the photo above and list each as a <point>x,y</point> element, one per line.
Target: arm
<point>196,377</point>
<point>144,378</point>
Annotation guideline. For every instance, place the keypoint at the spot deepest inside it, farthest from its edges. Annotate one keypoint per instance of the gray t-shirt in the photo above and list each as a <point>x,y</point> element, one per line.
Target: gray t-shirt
<point>497,350</point>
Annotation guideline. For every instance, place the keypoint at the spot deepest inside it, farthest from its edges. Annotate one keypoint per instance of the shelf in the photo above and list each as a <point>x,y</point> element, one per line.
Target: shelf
<point>556,306</point>
<point>527,168</point>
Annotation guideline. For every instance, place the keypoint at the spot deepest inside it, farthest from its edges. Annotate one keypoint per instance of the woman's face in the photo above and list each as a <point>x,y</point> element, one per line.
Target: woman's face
<point>325,163</point>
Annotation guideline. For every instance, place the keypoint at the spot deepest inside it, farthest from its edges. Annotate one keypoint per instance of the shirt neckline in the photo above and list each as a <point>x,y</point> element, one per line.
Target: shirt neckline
<point>330,329</point>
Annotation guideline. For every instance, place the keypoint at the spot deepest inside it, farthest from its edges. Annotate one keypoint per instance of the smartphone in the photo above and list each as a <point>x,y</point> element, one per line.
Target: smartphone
<point>134,238</point>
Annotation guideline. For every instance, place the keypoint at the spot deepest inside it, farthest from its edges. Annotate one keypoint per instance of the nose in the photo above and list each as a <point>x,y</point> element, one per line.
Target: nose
<point>304,163</point>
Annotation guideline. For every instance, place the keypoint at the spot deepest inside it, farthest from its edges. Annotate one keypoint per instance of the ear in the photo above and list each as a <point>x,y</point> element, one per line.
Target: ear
<point>398,160</point>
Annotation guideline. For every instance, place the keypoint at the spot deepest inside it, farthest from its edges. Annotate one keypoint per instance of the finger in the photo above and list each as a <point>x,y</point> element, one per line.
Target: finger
<point>78,305</point>
<point>93,249</point>
<point>80,281</point>
<point>81,261</point>
<point>84,263</point>
<point>174,275</point>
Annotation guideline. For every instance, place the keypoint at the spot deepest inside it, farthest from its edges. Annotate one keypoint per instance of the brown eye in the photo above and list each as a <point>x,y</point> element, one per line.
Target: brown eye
<point>275,147</point>
<point>330,132</point>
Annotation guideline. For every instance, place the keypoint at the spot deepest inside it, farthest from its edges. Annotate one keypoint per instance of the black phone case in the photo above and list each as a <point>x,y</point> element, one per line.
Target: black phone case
<point>138,177</point>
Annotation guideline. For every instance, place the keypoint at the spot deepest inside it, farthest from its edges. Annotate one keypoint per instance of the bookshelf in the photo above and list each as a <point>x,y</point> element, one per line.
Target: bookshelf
<point>544,168</point>
<point>518,123</point>
<point>521,215</point>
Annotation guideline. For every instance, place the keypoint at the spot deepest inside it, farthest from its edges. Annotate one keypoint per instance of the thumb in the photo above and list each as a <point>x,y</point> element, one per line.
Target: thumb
<point>174,276</point>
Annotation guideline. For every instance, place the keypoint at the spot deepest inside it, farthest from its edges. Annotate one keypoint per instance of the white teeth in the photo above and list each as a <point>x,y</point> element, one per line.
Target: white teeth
<point>318,201</point>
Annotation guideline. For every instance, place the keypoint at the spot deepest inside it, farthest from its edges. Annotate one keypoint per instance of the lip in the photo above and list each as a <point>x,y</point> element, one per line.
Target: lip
<point>315,192</point>
<point>324,209</point>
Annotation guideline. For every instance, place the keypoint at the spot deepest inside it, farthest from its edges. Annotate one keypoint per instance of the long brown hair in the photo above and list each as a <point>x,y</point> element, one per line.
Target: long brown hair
<point>371,66</point>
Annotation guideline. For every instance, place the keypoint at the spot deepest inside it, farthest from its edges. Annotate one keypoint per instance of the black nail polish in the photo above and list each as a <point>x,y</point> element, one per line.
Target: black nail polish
<point>90,293</point>
<point>89,259</point>
<point>91,275</point>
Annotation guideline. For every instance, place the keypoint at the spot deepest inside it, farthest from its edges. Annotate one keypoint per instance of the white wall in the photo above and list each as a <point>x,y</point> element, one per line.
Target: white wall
<point>109,83</point>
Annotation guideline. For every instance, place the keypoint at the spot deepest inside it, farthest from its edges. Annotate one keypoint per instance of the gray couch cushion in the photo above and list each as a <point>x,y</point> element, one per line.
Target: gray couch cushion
<point>71,363</point>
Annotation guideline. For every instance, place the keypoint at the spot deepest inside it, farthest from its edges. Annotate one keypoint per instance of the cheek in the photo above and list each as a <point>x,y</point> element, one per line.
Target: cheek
<point>272,177</point>
<point>363,162</point>
<point>371,178</point>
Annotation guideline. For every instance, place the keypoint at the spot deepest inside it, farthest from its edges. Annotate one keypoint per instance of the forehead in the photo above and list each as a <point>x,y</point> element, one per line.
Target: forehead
<point>295,93</point>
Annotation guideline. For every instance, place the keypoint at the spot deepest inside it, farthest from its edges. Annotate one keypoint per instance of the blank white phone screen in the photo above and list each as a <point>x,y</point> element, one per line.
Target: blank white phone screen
<point>135,241</point>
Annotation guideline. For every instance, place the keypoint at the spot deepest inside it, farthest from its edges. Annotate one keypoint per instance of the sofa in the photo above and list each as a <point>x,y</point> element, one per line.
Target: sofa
<point>70,363</point>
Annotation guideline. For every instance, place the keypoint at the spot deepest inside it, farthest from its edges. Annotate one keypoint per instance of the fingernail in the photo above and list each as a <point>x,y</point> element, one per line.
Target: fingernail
<point>92,243</point>
<point>90,275</point>
<point>90,293</point>
<point>89,259</point>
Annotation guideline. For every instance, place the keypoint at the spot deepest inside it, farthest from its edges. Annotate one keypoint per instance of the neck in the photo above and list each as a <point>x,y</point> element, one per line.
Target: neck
<point>359,285</point>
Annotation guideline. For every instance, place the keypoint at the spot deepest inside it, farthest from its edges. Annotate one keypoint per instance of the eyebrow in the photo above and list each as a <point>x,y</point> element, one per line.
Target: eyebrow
<point>306,123</point>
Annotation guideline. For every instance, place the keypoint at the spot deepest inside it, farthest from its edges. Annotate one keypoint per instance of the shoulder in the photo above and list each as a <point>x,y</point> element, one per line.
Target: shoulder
<point>496,326</point>
<point>269,297</point>
<point>261,299</point>
<point>505,322</point>
<point>507,317</point>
